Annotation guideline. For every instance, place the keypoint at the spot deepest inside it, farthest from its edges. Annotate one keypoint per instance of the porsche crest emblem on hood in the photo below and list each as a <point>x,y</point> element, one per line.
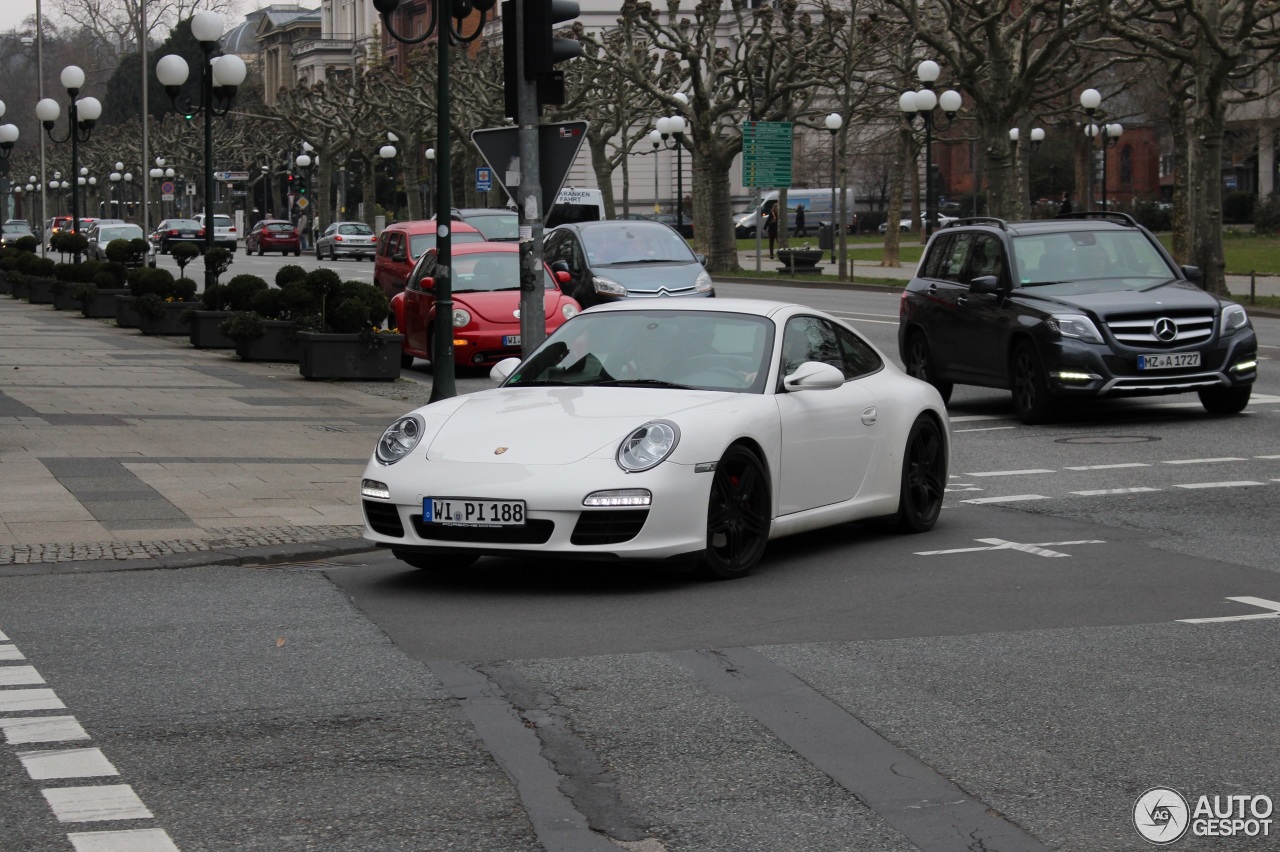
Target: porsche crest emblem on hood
<point>499,451</point>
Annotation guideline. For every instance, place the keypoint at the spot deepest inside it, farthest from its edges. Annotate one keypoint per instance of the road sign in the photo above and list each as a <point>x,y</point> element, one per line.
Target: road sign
<point>231,177</point>
<point>168,196</point>
<point>191,189</point>
<point>302,203</point>
<point>558,146</point>
<point>767,153</point>
<point>167,187</point>
<point>484,179</point>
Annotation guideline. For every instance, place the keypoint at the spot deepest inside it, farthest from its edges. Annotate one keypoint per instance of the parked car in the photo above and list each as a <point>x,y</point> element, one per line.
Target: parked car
<point>273,235</point>
<point>63,223</point>
<point>494,223</point>
<point>170,232</point>
<point>347,239</point>
<point>224,230</point>
<point>486,304</point>
<point>14,230</point>
<point>1060,310</point>
<point>663,430</point>
<point>904,225</point>
<point>400,245</point>
<point>621,259</point>
<point>105,233</point>
<point>686,223</point>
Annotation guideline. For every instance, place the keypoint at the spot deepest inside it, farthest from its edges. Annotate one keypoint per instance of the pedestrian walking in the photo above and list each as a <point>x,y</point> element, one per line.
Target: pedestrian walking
<point>771,228</point>
<point>1065,206</point>
<point>302,231</point>
<point>801,230</point>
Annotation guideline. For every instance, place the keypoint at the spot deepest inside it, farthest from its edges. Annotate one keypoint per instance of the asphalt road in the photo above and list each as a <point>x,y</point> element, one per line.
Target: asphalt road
<point>1014,679</point>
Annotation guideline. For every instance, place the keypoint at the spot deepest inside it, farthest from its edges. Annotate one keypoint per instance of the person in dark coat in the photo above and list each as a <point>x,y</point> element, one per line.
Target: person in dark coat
<point>771,228</point>
<point>801,230</point>
<point>1065,206</point>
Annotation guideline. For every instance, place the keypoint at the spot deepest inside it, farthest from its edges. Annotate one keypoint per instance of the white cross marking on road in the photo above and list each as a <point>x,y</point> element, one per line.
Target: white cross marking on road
<point>1273,606</point>
<point>1001,544</point>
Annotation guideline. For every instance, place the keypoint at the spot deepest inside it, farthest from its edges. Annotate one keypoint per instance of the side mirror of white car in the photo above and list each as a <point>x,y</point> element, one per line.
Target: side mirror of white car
<point>503,369</point>
<point>814,375</point>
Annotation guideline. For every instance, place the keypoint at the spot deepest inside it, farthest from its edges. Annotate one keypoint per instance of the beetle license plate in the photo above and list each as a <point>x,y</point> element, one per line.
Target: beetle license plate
<point>511,340</point>
<point>468,512</point>
<point>1168,362</point>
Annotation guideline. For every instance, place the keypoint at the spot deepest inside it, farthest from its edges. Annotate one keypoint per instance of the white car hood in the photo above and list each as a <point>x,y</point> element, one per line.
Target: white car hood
<point>554,425</point>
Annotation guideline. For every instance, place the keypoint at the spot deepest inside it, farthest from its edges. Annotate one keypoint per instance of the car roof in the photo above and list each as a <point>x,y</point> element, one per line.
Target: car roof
<point>1057,225</point>
<point>477,248</point>
<point>428,226</point>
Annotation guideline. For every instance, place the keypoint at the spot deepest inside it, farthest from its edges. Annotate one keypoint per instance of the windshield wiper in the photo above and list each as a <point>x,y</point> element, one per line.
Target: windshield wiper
<point>657,383</point>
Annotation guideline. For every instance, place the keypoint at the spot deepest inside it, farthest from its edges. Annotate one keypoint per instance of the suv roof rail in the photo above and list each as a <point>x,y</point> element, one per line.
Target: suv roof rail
<point>1100,214</point>
<point>980,220</point>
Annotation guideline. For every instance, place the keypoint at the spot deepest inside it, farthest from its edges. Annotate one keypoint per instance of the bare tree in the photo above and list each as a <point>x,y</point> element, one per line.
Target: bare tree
<point>118,25</point>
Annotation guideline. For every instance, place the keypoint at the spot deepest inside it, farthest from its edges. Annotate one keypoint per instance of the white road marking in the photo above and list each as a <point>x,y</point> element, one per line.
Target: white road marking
<point>1001,544</point>
<point>1105,491</point>
<point>1203,461</point>
<point>22,700</point>
<point>10,652</point>
<point>984,429</point>
<point>1110,466</point>
<point>1012,499</point>
<point>3,638</point>
<point>1273,606</point>
<point>66,763</point>
<point>1238,484</point>
<point>969,418</point>
<point>1267,457</point>
<point>136,840</point>
<point>19,676</point>
<point>42,729</point>
<point>1011,472</point>
<point>93,804</point>
<point>952,488</point>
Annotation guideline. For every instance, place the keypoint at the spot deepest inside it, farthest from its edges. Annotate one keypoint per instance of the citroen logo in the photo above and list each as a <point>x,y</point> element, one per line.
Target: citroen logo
<point>499,451</point>
<point>1165,329</point>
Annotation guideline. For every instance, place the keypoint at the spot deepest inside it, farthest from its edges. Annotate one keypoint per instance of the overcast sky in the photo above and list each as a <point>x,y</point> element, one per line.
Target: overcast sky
<point>14,12</point>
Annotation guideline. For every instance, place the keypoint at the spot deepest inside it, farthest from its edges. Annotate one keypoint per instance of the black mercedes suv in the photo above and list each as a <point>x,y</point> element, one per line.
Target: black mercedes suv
<point>1084,305</point>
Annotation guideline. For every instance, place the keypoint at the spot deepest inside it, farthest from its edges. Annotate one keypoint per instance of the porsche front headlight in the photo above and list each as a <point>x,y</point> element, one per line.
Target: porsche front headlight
<point>648,446</point>
<point>399,439</point>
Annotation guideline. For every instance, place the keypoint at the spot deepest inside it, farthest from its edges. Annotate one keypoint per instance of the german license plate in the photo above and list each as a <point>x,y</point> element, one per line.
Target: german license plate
<point>467,512</point>
<point>511,340</point>
<point>1167,362</point>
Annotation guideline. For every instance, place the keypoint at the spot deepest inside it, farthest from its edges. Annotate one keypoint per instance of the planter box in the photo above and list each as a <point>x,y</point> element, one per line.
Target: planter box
<point>280,343</point>
<point>103,304</point>
<point>205,331</point>
<point>64,301</point>
<point>170,322</point>
<point>21,287</point>
<point>6,285</point>
<point>41,291</point>
<point>799,260</point>
<point>346,356</point>
<point>126,315</point>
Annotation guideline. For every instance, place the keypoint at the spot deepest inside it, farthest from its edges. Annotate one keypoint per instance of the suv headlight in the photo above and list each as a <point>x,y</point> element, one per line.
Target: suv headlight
<point>1233,317</point>
<point>608,285</point>
<point>648,446</point>
<point>703,282</point>
<point>399,439</point>
<point>1075,325</point>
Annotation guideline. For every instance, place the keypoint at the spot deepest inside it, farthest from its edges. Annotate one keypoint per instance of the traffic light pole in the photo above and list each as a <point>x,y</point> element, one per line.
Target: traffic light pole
<point>533,326</point>
<point>443,383</point>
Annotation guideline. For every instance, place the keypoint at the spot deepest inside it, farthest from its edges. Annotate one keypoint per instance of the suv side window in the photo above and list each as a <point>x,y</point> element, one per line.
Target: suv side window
<point>985,258</point>
<point>938,257</point>
<point>952,265</point>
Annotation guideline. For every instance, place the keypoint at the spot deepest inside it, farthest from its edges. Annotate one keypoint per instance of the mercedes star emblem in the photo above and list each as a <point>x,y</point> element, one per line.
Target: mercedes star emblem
<point>1165,329</point>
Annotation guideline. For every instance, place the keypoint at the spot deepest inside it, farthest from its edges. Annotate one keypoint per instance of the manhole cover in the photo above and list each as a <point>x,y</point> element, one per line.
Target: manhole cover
<point>1108,439</point>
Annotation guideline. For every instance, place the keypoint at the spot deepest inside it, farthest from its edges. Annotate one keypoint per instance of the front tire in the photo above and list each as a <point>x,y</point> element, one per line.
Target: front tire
<point>737,516</point>
<point>1226,400</point>
<point>920,365</point>
<point>1031,397</point>
<point>442,562</point>
<point>319,256</point>
<point>924,477</point>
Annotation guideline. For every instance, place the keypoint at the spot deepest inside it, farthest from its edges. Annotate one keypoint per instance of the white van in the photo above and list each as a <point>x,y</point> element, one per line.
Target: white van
<point>816,203</point>
<point>576,205</point>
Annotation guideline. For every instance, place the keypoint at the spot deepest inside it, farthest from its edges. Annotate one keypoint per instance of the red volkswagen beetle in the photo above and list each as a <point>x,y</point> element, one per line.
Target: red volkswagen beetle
<point>486,304</point>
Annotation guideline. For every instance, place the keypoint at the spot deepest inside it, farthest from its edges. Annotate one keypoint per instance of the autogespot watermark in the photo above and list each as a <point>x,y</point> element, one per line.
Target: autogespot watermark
<point>1163,816</point>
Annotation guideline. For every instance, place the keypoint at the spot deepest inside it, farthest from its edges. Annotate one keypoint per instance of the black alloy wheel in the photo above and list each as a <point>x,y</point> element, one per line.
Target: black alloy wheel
<point>1031,398</point>
<point>737,516</point>
<point>433,562</point>
<point>924,477</point>
<point>1226,400</point>
<point>920,365</point>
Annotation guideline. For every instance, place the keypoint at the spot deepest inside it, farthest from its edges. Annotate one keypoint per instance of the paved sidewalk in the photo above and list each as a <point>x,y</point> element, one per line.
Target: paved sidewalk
<point>119,450</point>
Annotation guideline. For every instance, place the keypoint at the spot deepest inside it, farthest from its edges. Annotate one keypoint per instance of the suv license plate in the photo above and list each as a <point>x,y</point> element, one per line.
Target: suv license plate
<point>511,340</point>
<point>1167,362</point>
<point>464,512</point>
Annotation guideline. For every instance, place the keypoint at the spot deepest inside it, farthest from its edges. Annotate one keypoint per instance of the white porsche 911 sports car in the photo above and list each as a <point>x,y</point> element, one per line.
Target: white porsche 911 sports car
<point>663,429</point>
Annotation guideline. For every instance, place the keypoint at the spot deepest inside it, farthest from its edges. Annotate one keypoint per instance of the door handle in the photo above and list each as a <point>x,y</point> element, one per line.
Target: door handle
<point>869,416</point>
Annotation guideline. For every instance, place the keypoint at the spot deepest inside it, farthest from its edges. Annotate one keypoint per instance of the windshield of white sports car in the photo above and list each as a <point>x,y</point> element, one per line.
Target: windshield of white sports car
<point>702,350</point>
<point>1126,257</point>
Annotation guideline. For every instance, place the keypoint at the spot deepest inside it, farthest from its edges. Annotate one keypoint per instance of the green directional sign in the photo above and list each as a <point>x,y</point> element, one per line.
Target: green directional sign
<point>766,153</point>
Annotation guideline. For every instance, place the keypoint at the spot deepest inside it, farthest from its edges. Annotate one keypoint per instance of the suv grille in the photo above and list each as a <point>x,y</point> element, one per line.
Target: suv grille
<point>1163,330</point>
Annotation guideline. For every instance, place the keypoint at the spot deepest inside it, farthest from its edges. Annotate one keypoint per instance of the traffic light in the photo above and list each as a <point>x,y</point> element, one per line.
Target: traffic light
<point>542,49</point>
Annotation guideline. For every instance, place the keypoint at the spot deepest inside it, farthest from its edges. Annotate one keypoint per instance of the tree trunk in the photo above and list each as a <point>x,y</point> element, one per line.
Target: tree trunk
<point>1206,176</point>
<point>1183,192</point>
<point>603,173</point>
<point>897,186</point>
<point>713,207</point>
<point>370,199</point>
<point>323,215</point>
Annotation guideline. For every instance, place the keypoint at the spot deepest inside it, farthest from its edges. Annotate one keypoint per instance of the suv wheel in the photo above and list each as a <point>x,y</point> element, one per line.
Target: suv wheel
<point>920,365</point>
<point>1226,400</point>
<point>1031,397</point>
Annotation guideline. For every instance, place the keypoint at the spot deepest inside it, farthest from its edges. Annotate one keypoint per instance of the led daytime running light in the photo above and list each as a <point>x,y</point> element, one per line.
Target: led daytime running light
<point>374,488</point>
<point>619,497</point>
<point>1245,366</point>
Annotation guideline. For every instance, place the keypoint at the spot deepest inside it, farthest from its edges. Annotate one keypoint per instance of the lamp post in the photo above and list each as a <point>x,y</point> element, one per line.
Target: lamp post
<point>1110,138</point>
<point>1037,136</point>
<point>921,103</point>
<point>388,155</point>
<point>1090,100</point>
<point>113,190</point>
<point>656,139</point>
<point>675,127</point>
<point>218,82</point>
<point>431,160</point>
<point>81,116</point>
<point>447,17</point>
<point>8,136</point>
<point>305,163</point>
<point>833,123</point>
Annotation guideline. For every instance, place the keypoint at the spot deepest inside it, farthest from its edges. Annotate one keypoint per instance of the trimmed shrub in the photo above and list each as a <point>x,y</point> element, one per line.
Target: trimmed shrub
<point>41,267</point>
<point>126,252</point>
<point>214,298</point>
<point>243,325</point>
<point>67,272</point>
<point>106,281</point>
<point>289,272</point>
<point>184,290</point>
<point>183,253</point>
<point>218,261</point>
<point>267,304</point>
<point>27,244</point>
<point>145,280</point>
<point>88,270</point>
<point>240,291</point>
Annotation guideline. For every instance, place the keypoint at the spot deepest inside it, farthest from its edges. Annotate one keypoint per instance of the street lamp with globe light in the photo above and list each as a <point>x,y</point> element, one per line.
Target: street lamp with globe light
<point>1090,100</point>
<point>833,123</point>
<point>82,114</point>
<point>922,103</point>
<point>387,153</point>
<point>675,127</point>
<point>220,78</point>
<point>430,154</point>
<point>655,138</point>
